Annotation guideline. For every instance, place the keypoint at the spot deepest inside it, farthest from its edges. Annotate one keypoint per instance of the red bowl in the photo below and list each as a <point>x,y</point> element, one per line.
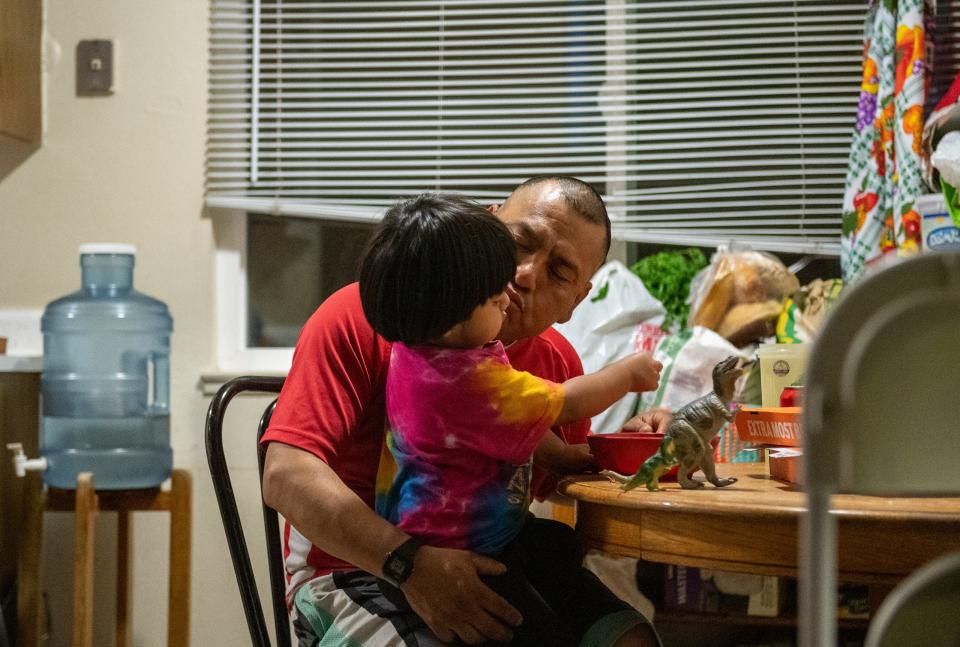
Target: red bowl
<point>625,451</point>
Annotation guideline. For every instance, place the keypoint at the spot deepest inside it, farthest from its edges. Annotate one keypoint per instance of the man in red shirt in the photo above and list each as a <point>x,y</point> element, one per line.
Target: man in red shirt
<point>326,435</point>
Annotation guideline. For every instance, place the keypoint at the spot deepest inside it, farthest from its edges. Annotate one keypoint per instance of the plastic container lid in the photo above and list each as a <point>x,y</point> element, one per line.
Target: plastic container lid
<point>775,350</point>
<point>930,203</point>
<point>108,248</point>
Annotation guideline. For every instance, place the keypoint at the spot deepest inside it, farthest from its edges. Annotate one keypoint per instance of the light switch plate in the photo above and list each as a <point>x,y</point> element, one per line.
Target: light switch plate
<point>94,67</point>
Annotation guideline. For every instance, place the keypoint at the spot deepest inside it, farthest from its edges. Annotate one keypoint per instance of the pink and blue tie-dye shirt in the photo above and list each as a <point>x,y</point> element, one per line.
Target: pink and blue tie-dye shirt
<point>463,427</point>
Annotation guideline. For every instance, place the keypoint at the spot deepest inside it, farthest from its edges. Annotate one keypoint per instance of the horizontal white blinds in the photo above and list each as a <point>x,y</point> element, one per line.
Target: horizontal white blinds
<point>700,121</point>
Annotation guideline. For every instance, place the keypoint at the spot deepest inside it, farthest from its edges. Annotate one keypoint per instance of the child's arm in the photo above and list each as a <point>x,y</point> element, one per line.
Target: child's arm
<point>588,395</point>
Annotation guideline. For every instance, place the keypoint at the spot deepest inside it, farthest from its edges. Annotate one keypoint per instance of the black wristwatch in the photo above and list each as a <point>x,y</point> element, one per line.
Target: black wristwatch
<point>398,565</point>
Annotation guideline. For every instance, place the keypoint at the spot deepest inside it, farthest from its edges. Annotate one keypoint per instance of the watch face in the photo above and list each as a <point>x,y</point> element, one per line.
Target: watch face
<point>396,567</point>
<point>399,562</point>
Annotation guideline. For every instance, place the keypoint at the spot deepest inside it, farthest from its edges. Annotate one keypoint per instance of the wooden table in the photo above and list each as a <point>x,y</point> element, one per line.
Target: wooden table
<point>751,526</point>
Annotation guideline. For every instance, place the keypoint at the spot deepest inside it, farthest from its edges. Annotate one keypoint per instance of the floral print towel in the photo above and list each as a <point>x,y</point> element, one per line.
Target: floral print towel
<point>884,172</point>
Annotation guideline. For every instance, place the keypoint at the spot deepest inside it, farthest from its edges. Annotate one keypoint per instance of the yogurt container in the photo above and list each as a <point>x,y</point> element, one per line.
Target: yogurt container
<point>780,366</point>
<point>936,227</point>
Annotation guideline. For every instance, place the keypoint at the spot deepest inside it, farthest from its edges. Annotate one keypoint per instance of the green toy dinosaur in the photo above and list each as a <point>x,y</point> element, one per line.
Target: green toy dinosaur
<point>687,439</point>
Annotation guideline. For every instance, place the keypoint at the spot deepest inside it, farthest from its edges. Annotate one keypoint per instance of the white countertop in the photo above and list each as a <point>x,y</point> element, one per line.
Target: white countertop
<point>21,363</point>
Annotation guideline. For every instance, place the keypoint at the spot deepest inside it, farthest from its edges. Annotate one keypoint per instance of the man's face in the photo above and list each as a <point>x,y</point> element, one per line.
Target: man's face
<point>557,253</point>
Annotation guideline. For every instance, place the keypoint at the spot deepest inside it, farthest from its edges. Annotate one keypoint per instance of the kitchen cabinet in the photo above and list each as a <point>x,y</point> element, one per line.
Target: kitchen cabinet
<point>21,92</point>
<point>19,423</point>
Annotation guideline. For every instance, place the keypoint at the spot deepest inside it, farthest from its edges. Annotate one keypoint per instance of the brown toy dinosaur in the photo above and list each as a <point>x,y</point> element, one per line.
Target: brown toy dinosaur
<point>687,438</point>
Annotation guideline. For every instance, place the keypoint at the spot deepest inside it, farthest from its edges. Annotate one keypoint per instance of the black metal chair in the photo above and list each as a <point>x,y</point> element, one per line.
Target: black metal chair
<point>252,605</point>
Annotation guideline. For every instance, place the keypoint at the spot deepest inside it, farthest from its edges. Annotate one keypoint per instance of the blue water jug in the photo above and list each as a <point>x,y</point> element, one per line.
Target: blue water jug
<point>106,378</point>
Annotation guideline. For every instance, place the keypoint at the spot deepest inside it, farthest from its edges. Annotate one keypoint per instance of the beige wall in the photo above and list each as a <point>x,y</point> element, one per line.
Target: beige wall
<point>129,168</point>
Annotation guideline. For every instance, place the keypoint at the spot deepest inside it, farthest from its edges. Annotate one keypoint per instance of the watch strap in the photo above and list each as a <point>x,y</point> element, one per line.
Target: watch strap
<point>398,564</point>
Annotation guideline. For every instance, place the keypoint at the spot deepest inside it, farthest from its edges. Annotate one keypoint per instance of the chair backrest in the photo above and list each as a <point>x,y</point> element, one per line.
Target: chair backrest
<point>879,411</point>
<point>921,610</point>
<point>226,500</point>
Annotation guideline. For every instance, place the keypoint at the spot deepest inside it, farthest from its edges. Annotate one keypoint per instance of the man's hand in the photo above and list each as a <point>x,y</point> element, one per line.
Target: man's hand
<point>650,421</point>
<point>445,590</point>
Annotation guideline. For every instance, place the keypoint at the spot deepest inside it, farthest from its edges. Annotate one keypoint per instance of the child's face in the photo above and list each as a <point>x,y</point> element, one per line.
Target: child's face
<point>482,326</point>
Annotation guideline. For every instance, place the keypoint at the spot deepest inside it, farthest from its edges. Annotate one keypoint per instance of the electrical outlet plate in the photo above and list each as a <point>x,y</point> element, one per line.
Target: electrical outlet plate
<point>94,67</point>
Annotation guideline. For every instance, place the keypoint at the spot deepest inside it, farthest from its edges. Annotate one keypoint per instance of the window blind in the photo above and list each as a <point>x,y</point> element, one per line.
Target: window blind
<point>701,122</point>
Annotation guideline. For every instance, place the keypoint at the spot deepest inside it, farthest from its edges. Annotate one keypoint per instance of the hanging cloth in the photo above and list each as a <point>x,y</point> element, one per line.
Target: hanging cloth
<point>884,171</point>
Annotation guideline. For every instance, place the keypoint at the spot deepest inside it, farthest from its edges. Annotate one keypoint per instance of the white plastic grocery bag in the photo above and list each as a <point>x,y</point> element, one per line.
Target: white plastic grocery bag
<point>688,359</point>
<point>603,328</point>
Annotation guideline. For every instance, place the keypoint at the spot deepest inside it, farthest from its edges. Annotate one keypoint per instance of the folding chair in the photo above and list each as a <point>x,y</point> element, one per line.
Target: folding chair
<point>252,605</point>
<point>922,609</point>
<point>880,418</point>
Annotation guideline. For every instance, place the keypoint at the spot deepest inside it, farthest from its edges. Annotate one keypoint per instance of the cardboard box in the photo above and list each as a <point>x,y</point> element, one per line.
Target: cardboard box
<point>684,589</point>
<point>778,426</point>
<point>785,465</point>
<point>705,591</point>
<point>767,601</point>
<point>853,601</point>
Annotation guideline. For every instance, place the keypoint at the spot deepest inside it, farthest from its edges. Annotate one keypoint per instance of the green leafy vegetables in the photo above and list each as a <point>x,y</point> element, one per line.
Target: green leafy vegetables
<point>667,276</point>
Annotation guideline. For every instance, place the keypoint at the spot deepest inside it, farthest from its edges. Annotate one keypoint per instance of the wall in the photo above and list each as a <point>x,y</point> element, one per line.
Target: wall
<point>129,168</point>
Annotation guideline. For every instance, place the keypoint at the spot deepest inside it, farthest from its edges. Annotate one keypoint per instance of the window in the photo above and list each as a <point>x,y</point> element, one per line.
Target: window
<point>701,121</point>
<point>293,264</point>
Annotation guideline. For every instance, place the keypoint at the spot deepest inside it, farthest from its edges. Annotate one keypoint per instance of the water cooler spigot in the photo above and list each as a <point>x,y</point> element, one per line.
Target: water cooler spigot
<point>21,464</point>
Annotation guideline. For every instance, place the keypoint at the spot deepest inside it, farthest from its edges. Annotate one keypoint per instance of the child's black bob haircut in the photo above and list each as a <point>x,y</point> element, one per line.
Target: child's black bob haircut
<point>431,261</point>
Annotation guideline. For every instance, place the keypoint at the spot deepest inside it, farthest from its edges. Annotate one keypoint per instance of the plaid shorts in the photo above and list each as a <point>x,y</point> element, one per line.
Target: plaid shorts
<point>356,609</point>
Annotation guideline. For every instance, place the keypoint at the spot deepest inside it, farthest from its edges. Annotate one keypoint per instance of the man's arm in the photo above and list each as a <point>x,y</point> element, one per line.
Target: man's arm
<point>310,495</point>
<point>444,588</point>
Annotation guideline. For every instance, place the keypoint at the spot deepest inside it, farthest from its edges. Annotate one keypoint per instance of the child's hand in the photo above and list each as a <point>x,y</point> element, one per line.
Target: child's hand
<point>577,459</point>
<point>644,372</point>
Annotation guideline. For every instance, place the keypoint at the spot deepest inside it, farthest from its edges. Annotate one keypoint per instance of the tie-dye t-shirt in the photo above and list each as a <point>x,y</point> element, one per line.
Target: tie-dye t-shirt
<point>463,427</point>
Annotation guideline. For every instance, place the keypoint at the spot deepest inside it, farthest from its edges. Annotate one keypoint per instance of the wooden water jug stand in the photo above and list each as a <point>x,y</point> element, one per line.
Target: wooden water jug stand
<point>86,502</point>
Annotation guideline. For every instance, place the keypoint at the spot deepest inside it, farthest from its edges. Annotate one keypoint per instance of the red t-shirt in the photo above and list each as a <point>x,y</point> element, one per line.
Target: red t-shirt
<point>333,406</point>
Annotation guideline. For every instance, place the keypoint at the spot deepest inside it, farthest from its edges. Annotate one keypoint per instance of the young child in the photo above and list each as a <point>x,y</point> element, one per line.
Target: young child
<point>463,423</point>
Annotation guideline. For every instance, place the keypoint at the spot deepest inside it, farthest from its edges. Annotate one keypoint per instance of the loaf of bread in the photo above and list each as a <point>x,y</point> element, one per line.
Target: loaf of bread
<point>778,282</point>
<point>716,303</point>
<point>749,278</point>
<point>748,322</point>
